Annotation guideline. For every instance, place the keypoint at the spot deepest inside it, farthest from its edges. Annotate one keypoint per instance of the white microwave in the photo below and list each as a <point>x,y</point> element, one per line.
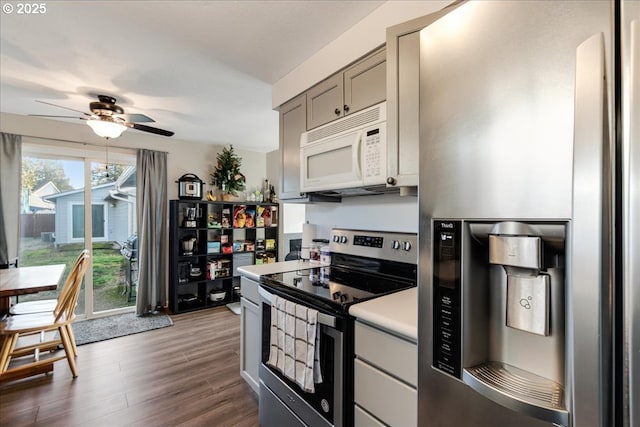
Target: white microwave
<point>350,152</point>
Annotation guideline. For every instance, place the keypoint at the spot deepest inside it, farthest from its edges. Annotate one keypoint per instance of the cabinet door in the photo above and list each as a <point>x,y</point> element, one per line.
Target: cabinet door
<point>324,101</point>
<point>365,83</point>
<point>402,111</point>
<point>293,121</point>
<point>250,342</point>
<point>403,57</point>
<point>390,400</point>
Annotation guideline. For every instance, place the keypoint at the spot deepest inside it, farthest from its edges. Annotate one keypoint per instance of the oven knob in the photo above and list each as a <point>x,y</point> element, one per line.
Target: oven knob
<point>336,295</point>
<point>343,239</point>
<point>343,297</point>
<point>336,238</point>
<point>395,245</point>
<point>406,246</point>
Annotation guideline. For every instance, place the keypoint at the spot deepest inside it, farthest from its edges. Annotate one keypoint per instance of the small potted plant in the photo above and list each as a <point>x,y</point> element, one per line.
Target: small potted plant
<point>226,175</point>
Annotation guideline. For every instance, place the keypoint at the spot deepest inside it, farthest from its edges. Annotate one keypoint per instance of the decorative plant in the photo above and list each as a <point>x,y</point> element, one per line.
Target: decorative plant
<point>226,175</point>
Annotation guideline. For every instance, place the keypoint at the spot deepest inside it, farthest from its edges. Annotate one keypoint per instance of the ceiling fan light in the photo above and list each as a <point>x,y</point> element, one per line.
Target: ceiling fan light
<point>105,128</point>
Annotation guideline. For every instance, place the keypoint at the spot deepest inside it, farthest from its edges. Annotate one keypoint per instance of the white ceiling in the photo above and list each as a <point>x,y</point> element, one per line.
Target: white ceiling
<point>202,69</point>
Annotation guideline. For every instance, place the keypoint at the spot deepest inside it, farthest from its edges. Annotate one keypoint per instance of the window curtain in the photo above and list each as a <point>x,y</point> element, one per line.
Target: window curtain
<point>10,177</point>
<point>152,201</point>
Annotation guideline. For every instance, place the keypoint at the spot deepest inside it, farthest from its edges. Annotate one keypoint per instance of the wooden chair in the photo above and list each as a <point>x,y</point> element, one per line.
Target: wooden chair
<point>45,305</point>
<point>59,320</point>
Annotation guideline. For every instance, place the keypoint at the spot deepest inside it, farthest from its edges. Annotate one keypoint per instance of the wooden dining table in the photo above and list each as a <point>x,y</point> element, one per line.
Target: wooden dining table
<point>27,280</point>
<point>22,281</point>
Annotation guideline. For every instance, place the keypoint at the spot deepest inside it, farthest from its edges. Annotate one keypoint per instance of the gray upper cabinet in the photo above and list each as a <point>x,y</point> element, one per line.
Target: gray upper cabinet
<point>365,83</point>
<point>293,115</point>
<point>403,75</point>
<point>359,86</point>
<point>324,101</point>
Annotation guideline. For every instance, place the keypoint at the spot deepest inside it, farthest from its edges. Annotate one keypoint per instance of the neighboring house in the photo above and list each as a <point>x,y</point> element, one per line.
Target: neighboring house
<point>36,201</point>
<point>113,211</point>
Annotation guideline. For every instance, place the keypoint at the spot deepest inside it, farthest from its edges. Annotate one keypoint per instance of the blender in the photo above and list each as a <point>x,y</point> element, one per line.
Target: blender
<point>190,217</point>
<point>188,243</point>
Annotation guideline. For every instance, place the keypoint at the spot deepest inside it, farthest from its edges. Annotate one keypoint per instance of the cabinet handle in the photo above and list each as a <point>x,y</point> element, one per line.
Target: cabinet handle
<point>391,181</point>
<point>337,111</point>
<point>346,108</point>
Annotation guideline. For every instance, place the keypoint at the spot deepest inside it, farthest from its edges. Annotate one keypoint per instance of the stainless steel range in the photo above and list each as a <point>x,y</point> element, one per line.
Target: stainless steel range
<point>364,265</point>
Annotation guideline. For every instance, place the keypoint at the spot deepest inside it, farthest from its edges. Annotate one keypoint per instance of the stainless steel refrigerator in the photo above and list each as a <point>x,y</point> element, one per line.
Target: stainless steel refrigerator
<point>529,285</point>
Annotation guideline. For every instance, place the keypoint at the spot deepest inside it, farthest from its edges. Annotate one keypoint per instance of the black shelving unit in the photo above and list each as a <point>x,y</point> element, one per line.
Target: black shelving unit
<point>224,236</point>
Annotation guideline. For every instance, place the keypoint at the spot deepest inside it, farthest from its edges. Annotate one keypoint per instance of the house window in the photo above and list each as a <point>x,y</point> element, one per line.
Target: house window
<point>97,221</point>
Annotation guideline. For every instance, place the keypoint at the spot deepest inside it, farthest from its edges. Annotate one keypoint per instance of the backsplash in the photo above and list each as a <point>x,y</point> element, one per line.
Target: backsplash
<point>382,213</point>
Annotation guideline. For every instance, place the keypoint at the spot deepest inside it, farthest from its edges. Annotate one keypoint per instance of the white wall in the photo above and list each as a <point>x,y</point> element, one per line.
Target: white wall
<point>351,45</point>
<point>183,156</point>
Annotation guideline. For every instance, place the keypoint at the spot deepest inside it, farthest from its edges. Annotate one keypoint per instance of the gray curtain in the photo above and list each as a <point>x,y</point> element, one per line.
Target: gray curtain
<point>152,202</point>
<point>10,176</point>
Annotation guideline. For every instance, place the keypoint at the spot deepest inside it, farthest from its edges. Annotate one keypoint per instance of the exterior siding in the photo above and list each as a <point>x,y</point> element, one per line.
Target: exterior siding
<point>118,216</point>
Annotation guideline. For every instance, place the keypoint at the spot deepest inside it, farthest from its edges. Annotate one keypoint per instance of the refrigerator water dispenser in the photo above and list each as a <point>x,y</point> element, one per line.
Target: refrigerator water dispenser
<point>527,302</point>
<point>499,312</point>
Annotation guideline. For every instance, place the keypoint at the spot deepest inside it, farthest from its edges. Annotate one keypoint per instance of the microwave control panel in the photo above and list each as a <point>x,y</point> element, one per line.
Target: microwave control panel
<point>447,294</point>
<point>374,155</point>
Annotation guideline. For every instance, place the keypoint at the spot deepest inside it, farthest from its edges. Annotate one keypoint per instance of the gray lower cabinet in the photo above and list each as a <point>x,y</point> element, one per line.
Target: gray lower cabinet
<point>250,329</point>
<point>385,382</point>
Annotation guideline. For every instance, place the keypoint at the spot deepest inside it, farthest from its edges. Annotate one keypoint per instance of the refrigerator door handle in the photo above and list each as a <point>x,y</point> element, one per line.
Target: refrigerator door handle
<point>591,239</point>
<point>631,229</point>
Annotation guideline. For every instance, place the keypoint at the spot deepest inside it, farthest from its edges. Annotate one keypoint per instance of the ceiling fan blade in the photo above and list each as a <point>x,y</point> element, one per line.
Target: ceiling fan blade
<point>135,118</point>
<point>58,117</point>
<point>66,108</point>
<point>150,129</point>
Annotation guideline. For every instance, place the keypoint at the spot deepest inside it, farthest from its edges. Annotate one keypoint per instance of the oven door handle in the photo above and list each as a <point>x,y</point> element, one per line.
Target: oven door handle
<point>323,318</point>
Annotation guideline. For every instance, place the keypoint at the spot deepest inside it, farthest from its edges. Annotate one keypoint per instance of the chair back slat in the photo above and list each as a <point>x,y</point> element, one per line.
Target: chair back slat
<point>74,267</point>
<point>68,298</point>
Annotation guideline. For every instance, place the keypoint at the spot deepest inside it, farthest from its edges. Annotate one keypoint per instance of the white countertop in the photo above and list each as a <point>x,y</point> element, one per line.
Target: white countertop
<point>255,271</point>
<point>397,312</point>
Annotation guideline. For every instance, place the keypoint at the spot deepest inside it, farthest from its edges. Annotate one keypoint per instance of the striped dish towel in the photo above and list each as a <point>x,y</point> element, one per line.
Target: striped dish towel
<point>295,343</point>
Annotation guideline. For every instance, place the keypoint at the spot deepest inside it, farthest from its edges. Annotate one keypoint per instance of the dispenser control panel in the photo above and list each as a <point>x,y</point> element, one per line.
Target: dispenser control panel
<point>447,293</point>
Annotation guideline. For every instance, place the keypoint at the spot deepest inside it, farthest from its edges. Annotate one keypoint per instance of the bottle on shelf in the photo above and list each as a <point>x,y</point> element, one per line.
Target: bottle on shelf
<point>266,191</point>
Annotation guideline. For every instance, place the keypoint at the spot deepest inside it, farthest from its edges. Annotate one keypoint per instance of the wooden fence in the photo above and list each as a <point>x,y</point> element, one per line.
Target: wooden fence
<point>33,225</point>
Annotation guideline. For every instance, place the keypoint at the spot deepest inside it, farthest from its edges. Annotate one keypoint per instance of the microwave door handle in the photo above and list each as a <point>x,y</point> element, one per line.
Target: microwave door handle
<point>357,154</point>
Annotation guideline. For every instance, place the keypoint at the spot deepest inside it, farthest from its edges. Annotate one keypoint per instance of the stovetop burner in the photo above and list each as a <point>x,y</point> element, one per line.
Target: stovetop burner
<point>344,287</point>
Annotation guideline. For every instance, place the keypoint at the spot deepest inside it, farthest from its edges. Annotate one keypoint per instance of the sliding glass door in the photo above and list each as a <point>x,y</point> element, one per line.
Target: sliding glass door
<point>71,201</point>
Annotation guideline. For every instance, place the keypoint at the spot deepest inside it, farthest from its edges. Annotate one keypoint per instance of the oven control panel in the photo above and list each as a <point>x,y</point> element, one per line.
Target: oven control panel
<point>369,241</point>
<point>447,294</point>
<point>401,247</point>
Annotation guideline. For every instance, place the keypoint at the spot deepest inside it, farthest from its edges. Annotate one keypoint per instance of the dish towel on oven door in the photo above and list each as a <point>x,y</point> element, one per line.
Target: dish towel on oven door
<point>295,342</point>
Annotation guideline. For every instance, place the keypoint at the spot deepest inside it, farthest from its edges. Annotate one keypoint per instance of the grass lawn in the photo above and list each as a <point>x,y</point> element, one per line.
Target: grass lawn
<point>108,271</point>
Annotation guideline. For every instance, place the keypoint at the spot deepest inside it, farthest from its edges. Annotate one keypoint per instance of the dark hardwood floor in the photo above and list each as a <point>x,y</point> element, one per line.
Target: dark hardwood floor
<point>187,374</point>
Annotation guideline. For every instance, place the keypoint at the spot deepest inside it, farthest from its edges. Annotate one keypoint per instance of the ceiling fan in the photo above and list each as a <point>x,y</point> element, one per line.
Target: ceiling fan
<point>109,120</point>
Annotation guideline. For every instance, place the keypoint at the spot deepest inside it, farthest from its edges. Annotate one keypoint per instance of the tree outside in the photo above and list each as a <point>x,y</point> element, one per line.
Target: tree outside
<point>36,172</point>
<point>103,174</point>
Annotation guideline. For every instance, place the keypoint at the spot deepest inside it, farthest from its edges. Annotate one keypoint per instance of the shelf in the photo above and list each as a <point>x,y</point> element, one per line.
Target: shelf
<point>215,231</point>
